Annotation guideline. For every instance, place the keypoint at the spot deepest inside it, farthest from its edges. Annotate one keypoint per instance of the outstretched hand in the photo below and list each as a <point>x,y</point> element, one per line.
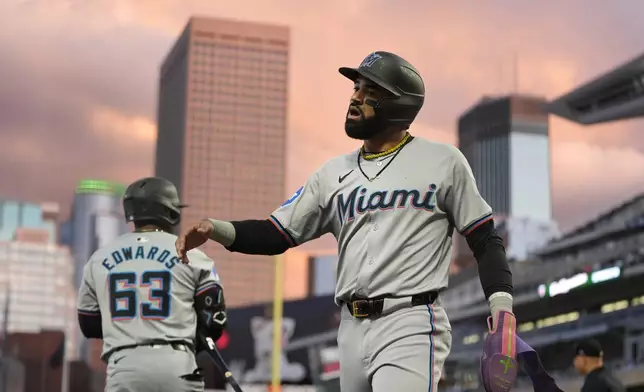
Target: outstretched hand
<point>193,237</point>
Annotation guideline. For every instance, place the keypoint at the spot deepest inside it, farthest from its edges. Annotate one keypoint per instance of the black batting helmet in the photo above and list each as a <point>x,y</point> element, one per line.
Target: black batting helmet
<point>398,77</point>
<point>152,199</point>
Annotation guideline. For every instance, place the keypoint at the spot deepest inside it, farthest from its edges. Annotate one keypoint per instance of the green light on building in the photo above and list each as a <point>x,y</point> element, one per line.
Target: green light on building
<point>99,186</point>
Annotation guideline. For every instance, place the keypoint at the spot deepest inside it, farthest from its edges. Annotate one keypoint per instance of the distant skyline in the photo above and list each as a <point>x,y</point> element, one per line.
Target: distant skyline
<point>79,81</point>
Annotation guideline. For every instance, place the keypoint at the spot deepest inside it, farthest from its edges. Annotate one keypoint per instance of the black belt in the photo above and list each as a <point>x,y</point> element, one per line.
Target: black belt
<point>372,307</point>
<point>179,346</point>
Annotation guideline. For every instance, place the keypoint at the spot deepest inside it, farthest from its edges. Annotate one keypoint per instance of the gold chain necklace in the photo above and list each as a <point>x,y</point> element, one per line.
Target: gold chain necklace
<point>369,157</point>
<point>397,151</point>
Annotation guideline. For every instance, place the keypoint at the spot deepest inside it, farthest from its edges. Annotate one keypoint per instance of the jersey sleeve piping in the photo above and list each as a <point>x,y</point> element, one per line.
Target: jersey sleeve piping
<point>205,288</point>
<point>473,225</point>
<point>283,230</point>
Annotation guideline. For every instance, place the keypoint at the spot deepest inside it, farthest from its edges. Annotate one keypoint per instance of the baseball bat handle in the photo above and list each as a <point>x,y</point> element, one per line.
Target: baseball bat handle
<point>220,363</point>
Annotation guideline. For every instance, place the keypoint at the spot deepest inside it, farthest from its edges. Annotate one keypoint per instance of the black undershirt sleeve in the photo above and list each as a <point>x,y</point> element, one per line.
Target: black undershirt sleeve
<point>91,325</point>
<point>489,252</point>
<point>259,237</point>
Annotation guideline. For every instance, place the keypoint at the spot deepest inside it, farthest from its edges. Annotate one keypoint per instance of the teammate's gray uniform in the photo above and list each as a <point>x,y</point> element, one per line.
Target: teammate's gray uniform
<point>145,294</point>
<point>394,238</point>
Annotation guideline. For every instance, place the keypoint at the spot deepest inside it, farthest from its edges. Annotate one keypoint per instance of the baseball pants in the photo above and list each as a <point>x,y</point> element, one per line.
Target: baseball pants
<point>402,350</point>
<point>152,369</point>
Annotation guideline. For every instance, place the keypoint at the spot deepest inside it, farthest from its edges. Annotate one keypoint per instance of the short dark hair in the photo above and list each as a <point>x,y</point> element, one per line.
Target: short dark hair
<point>589,348</point>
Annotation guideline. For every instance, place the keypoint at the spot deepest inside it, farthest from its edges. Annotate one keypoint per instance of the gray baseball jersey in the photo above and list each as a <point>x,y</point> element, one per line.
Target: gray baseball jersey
<point>394,232</point>
<point>142,291</point>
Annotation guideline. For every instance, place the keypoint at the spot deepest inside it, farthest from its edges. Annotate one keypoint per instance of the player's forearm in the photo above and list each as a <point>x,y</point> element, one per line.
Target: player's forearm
<point>494,269</point>
<point>223,232</point>
<point>253,237</point>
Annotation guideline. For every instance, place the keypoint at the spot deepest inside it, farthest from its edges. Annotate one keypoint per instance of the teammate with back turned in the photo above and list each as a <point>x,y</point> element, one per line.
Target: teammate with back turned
<point>393,206</point>
<point>145,304</point>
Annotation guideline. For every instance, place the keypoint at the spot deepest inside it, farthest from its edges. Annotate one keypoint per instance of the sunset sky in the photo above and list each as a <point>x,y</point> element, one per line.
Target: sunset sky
<point>78,82</point>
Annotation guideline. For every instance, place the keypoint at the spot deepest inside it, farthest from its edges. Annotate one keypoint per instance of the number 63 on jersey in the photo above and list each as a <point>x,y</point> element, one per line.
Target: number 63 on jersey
<point>125,287</point>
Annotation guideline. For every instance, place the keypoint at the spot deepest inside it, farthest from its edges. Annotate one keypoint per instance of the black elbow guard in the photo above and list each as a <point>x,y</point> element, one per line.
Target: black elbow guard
<point>211,311</point>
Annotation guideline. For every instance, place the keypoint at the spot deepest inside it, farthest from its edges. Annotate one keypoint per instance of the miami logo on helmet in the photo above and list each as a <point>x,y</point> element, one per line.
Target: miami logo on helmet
<point>370,60</point>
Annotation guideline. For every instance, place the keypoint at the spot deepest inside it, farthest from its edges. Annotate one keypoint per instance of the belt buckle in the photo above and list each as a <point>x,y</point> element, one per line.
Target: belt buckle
<point>356,311</point>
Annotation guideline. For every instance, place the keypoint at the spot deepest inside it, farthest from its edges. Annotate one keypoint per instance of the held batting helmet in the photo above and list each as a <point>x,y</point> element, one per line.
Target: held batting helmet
<point>152,199</point>
<point>399,78</point>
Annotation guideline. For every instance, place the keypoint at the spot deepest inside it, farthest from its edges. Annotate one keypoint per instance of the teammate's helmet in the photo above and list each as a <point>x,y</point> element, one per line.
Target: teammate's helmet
<point>400,78</point>
<point>152,199</point>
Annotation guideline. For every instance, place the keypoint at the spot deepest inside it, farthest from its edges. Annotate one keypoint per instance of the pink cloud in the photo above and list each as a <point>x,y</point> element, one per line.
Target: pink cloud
<point>72,59</point>
<point>589,179</point>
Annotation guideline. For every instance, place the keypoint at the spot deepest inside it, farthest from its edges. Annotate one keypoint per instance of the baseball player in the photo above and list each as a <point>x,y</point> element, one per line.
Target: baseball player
<point>144,303</point>
<point>393,206</point>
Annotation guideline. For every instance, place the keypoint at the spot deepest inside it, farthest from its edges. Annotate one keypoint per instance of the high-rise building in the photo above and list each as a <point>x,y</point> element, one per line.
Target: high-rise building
<point>505,140</point>
<point>222,113</point>
<point>96,219</point>
<point>36,289</point>
<point>18,214</point>
<point>39,363</point>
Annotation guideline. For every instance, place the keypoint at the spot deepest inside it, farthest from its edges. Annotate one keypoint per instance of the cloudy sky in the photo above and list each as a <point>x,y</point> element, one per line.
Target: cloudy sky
<point>78,82</point>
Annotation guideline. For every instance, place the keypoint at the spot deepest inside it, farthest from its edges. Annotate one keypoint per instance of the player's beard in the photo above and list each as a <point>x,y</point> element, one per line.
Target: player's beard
<point>363,128</point>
